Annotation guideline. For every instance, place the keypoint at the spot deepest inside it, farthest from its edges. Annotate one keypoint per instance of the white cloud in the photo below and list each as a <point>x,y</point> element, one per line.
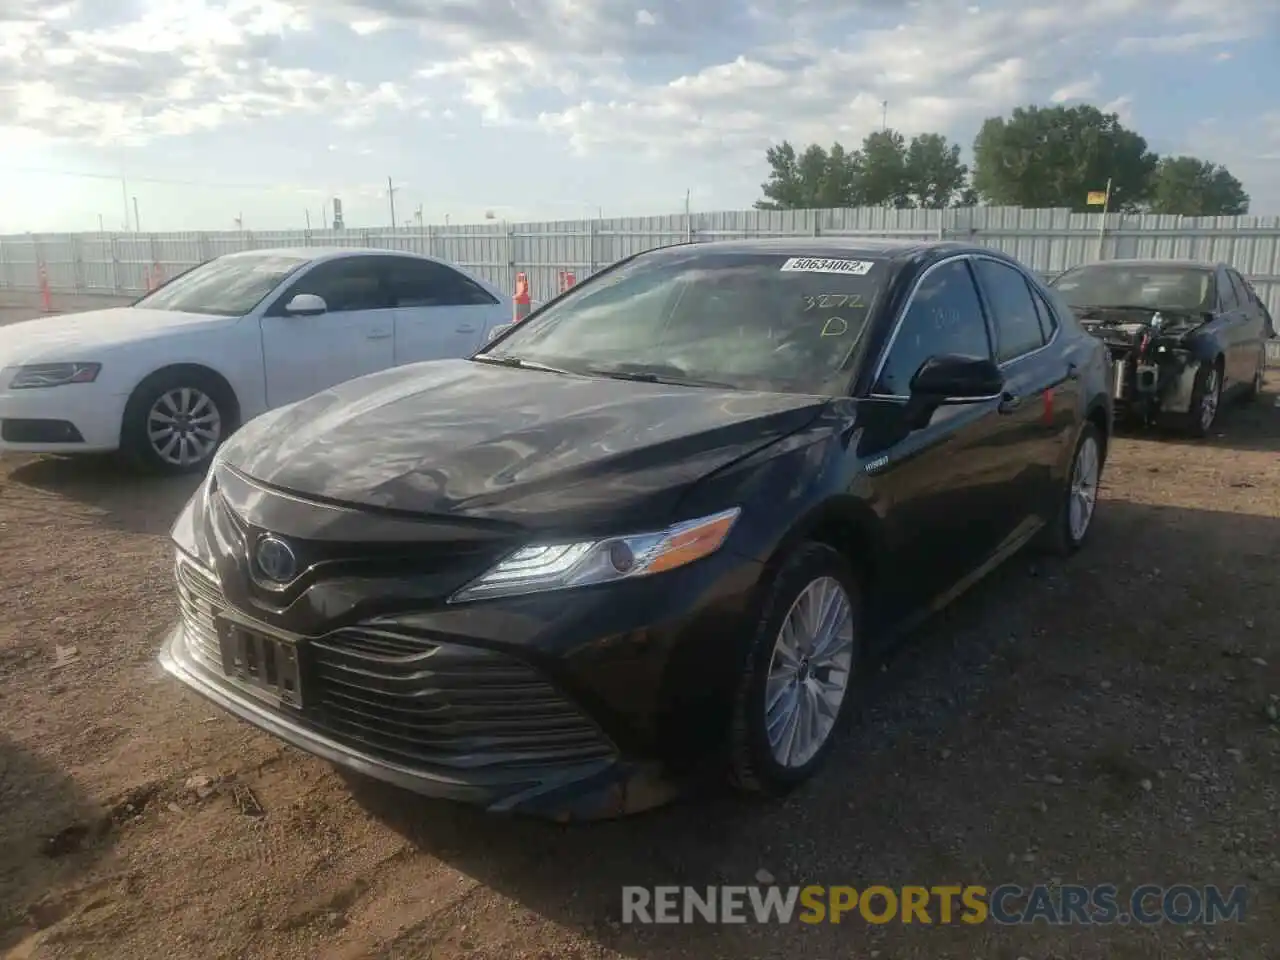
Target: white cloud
<point>711,82</point>
<point>1122,106</point>
<point>1085,89</point>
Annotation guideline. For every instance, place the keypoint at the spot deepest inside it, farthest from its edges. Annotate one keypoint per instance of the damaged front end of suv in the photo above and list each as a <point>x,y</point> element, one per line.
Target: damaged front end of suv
<point>1156,356</point>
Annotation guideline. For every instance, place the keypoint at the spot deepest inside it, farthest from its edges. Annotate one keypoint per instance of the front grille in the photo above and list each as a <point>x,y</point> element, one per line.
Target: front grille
<point>410,699</point>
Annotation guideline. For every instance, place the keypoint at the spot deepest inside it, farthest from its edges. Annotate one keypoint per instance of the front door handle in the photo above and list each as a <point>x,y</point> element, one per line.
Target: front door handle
<point>1073,371</point>
<point>379,335</point>
<point>466,330</point>
<point>1009,403</point>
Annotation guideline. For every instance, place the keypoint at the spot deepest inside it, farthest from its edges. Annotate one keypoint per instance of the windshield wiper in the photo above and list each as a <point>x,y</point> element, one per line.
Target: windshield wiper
<point>641,375</point>
<point>519,363</point>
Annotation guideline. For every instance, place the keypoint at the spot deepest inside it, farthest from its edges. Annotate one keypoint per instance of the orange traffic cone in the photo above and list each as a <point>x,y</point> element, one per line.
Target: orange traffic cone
<point>523,302</point>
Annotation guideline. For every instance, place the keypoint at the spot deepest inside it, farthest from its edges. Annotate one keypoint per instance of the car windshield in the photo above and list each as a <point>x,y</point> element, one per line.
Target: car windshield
<point>747,321</point>
<point>228,286</point>
<point>1172,287</point>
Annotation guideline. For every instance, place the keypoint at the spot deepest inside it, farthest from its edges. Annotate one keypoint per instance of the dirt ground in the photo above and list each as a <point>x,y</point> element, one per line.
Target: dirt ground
<point>1110,719</point>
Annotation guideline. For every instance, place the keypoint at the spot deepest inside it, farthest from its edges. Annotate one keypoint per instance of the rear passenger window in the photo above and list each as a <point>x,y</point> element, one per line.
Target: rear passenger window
<point>945,316</point>
<point>1017,320</point>
<point>424,283</point>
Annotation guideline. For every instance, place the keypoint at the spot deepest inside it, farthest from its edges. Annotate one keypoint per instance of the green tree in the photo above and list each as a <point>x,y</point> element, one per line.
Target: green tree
<point>934,175</point>
<point>1053,157</point>
<point>817,178</point>
<point>885,172</point>
<point>1195,188</point>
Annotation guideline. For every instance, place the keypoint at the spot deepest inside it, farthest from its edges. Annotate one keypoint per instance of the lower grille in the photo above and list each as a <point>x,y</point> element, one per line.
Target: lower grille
<point>410,699</point>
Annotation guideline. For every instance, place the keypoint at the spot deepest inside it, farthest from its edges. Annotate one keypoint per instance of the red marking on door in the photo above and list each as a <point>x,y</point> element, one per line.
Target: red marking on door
<point>1048,405</point>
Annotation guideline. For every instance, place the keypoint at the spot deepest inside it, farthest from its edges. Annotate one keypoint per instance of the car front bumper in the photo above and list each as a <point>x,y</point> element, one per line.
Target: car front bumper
<point>77,418</point>
<point>640,666</point>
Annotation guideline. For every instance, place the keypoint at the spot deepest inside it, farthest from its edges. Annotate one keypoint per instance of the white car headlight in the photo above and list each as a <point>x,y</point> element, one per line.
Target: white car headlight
<point>53,375</point>
<point>555,566</point>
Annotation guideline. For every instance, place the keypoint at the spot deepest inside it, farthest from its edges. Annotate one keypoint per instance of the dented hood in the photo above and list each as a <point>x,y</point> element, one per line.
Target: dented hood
<point>464,439</point>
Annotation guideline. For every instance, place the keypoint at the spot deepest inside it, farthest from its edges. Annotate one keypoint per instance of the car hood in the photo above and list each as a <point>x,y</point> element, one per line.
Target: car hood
<point>537,449</point>
<point>1125,324</point>
<point>74,336</point>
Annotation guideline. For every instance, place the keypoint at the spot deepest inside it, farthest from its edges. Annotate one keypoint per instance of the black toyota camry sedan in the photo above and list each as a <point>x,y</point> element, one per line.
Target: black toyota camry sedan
<point>653,530</point>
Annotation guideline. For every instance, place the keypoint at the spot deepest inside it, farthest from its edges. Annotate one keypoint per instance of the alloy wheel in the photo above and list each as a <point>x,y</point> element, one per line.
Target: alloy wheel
<point>1084,488</point>
<point>184,426</point>
<point>1209,402</point>
<point>809,672</point>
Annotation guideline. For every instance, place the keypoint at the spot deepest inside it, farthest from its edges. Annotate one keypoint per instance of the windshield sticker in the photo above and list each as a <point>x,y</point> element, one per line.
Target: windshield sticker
<point>857,268</point>
<point>833,301</point>
<point>835,327</point>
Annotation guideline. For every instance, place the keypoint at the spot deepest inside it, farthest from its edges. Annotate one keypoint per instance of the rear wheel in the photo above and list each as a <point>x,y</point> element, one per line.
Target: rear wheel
<point>797,686</point>
<point>1078,501</point>
<point>175,421</point>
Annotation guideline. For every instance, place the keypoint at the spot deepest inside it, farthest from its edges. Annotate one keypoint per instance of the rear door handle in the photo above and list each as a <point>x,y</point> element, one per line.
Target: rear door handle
<point>1073,371</point>
<point>1009,403</point>
<point>379,335</point>
<point>467,329</point>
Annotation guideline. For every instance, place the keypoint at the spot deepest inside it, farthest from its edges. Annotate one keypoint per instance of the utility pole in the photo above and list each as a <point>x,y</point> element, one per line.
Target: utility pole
<point>884,115</point>
<point>391,199</point>
<point>100,227</point>
<point>124,195</point>
<point>137,221</point>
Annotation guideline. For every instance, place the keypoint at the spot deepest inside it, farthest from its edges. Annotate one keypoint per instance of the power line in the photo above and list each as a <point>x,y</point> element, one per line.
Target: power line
<point>156,180</point>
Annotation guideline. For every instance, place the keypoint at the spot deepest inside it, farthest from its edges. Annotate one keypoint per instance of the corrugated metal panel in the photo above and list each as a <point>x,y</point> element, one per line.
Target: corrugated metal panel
<point>1048,241</point>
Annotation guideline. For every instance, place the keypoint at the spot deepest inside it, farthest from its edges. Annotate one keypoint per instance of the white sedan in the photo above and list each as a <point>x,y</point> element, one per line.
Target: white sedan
<point>166,380</point>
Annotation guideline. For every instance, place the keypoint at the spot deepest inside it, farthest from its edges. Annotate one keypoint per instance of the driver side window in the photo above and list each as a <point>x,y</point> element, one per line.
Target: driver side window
<point>944,316</point>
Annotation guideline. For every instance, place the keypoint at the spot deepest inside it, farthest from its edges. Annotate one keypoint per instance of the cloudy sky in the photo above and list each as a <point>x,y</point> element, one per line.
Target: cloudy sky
<point>261,109</point>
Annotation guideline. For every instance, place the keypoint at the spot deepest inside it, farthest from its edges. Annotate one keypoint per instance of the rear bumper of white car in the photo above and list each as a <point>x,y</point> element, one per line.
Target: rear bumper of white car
<point>77,418</point>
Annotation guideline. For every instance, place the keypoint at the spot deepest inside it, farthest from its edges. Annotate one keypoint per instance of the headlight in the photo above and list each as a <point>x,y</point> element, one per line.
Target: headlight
<point>54,375</point>
<point>555,566</point>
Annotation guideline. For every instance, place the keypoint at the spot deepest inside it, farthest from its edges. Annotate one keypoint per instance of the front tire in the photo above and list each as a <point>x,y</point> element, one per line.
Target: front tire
<point>1206,401</point>
<point>1254,390</point>
<point>175,421</point>
<point>1078,501</point>
<point>797,688</point>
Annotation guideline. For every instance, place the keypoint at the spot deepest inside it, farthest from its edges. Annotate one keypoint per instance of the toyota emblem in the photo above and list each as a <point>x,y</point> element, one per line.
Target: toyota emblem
<point>275,559</point>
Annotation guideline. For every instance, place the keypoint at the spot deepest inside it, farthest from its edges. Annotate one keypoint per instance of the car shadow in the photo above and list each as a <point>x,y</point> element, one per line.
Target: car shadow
<point>949,775</point>
<point>117,496</point>
<point>50,834</point>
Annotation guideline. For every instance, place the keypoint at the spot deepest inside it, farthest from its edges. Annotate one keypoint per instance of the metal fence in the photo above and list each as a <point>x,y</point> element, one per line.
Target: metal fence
<point>1046,240</point>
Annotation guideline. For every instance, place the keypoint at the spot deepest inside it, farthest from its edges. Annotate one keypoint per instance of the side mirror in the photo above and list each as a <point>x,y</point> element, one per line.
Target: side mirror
<point>956,379</point>
<point>949,379</point>
<point>306,305</point>
<point>498,331</point>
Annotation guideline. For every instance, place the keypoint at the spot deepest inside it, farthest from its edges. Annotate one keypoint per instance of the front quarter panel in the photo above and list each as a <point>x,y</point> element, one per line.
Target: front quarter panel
<point>229,350</point>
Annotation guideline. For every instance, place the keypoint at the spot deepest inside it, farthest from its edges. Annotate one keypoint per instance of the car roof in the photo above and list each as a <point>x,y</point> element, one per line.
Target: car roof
<point>829,246</point>
<point>1155,262</point>
<point>322,253</point>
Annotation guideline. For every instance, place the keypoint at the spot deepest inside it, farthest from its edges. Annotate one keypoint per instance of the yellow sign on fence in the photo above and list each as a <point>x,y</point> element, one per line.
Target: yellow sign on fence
<point>1096,198</point>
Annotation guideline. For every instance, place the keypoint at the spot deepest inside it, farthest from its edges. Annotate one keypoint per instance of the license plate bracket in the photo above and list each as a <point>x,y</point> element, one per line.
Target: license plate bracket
<point>264,664</point>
